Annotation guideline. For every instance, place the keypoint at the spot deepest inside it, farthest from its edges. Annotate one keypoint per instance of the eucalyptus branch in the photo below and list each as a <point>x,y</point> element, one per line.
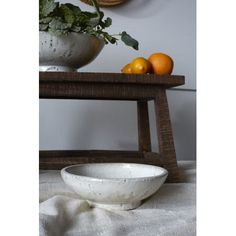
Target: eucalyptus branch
<point>61,19</point>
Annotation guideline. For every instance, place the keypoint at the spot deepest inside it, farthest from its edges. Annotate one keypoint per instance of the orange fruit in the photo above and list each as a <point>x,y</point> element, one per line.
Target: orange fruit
<point>140,65</point>
<point>126,69</point>
<point>162,64</point>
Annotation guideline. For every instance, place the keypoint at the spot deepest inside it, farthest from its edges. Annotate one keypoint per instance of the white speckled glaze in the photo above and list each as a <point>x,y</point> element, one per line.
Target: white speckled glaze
<point>118,186</point>
<point>67,52</point>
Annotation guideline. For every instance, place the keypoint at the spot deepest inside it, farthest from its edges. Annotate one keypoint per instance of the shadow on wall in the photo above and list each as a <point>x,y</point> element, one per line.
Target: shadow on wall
<point>105,126</point>
<point>139,8</point>
<point>130,146</point>
<point>184,129</point>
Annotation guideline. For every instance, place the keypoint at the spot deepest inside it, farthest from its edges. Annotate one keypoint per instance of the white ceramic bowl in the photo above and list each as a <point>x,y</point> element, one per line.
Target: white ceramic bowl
<point>67,52</point>
<point>120,186</point>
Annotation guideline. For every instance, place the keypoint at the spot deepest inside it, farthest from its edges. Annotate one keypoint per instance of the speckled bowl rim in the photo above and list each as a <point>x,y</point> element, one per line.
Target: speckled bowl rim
<point>148,178</point>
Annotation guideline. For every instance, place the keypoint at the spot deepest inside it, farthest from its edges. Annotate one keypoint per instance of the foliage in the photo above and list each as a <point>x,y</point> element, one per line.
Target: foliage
<point>61,19</point>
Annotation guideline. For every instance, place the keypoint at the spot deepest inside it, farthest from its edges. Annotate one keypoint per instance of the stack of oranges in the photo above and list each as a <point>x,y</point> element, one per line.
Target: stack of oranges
<point>157,63</point>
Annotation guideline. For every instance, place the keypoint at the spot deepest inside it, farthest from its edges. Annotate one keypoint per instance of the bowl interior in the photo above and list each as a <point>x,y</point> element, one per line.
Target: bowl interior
<point>116,170</point>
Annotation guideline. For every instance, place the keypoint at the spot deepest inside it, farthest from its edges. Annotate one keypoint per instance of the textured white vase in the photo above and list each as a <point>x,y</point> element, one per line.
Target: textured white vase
<point>67,52</point>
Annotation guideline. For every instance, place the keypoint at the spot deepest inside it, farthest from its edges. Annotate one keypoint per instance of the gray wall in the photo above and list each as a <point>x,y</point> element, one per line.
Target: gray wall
<point>159,25</point>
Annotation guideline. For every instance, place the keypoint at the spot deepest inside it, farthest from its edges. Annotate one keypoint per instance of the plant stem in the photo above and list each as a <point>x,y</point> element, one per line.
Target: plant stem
<point>115,34</point>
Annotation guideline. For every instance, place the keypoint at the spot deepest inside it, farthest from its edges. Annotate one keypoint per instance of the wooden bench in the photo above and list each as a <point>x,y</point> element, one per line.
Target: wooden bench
<point>115,86</point>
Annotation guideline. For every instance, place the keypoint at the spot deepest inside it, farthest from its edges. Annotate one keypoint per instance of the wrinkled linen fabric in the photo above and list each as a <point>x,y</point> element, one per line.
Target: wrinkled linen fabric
<point>169,212</point>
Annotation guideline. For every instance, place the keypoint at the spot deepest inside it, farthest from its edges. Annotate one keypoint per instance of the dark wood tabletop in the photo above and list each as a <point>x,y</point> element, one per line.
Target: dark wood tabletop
<point>111,86</point>
<point>165,80</point>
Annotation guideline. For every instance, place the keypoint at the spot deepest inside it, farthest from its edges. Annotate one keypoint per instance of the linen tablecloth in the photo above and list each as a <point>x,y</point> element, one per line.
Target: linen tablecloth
<point>170,212</point>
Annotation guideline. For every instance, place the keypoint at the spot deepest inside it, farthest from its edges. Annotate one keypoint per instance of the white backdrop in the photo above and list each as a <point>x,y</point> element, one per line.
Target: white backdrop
<point>159,25</point>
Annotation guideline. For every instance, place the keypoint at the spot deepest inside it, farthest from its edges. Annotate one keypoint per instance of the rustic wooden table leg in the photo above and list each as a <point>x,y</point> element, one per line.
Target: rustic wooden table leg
<point>144,138</point>
<point>165,136</point>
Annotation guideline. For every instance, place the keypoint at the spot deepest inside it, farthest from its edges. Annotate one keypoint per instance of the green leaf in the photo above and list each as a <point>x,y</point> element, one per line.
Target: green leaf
<point>43,27</point>
<point>58,24</point>
<point>74,8</point>
<point>129,41</point>
<point>90,14</point>
<point>93,22</point>
<point>46,7</point>
<point>45,20</point>
<point>108,22</point>
<point>68,14</point>
<point>57,32</point>
<point>81,20</point>
<point>93,19</point>
<point>76,29</point>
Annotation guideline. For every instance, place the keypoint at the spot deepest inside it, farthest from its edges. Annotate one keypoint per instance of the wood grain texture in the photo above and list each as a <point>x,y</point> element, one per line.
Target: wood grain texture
<point>91,90</point>
<point>165,136</point>
<point>102,86</point>
<point>165,80</point>
<point>144,137</point>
